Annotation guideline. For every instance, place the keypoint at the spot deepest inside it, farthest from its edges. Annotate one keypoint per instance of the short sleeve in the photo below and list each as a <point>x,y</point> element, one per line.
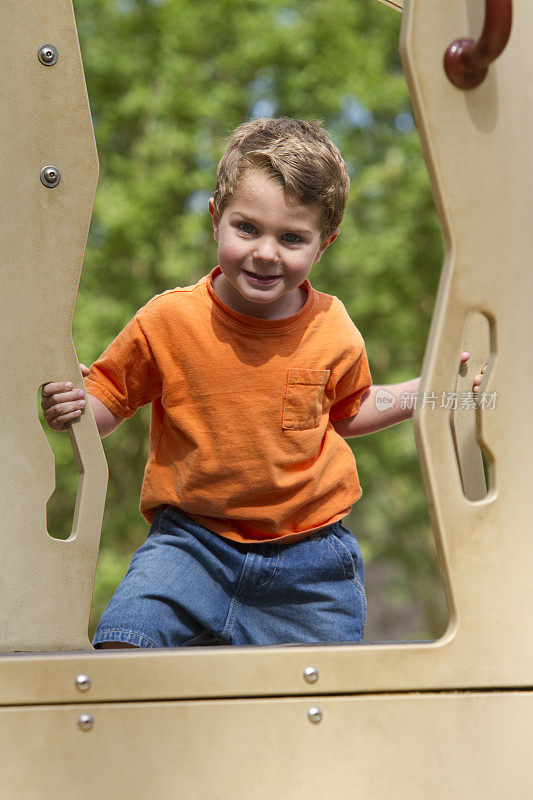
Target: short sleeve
<point>350,388</point>
<point>126,376</point>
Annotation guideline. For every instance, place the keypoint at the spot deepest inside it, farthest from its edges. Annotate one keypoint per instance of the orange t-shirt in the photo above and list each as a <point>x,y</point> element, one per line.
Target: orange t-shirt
<point>241,434</point>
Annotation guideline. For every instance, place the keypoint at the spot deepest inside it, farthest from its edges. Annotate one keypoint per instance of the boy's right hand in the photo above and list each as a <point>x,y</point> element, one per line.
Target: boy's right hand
<point>61,403</point>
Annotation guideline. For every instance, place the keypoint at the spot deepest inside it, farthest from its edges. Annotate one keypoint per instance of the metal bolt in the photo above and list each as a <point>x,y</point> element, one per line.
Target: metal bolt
<point>48,55</point>
<point>83,683</point>
<point>311,674</point>
<point>50,177</point>
<point>315,715</point>
<point>86,722</point>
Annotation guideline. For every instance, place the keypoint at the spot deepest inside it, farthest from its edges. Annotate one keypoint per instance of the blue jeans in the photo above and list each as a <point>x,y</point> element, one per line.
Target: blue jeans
<point>188,586</point>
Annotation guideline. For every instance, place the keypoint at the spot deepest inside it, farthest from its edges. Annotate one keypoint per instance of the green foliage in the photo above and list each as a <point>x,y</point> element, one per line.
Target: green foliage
<point>168,82</point>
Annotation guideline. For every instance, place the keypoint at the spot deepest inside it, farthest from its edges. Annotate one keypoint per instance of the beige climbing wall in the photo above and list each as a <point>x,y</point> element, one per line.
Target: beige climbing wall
<point>477,146</point>
<point>446,720</point>
<point>45,584</point>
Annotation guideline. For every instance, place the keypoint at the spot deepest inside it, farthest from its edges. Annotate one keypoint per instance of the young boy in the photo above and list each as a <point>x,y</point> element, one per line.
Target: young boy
<point>255,380</point>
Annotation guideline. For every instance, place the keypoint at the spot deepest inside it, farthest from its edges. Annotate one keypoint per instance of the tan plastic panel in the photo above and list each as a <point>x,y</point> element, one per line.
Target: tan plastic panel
<point>477,149</point>
<point>477,145</point>
<point>406,747</point>
<point>46,584</point>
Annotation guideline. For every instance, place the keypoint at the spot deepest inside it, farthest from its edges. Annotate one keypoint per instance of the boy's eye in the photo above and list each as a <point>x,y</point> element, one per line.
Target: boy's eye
<point>247,227</point>
<point>292,238</point>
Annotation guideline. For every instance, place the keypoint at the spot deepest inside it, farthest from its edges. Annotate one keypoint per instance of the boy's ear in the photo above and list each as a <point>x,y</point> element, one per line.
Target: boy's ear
<point>326,244</point>
<point>215,218</point>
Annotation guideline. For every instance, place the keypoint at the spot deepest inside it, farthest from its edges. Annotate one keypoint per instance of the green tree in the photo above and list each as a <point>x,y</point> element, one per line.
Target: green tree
<point>168,81</point>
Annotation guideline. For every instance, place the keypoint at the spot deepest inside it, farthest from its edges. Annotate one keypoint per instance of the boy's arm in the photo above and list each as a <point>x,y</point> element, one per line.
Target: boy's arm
<point>106,421</point>
<point>62,405</point>
<point>374,416</point>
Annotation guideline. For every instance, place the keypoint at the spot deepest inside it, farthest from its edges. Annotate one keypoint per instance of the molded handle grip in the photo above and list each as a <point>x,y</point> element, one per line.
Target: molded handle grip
<point>466,61</point>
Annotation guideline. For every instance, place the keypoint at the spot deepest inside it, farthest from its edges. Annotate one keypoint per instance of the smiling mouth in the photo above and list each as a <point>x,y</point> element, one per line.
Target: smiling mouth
<point>264,279</point>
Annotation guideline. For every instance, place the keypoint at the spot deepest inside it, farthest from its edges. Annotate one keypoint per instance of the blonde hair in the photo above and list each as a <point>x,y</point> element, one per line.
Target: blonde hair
<point>298,154</point>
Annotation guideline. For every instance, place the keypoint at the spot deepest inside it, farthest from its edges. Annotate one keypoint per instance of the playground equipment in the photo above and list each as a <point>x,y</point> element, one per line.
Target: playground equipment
<point>46,132</point>
<point>440,720</point>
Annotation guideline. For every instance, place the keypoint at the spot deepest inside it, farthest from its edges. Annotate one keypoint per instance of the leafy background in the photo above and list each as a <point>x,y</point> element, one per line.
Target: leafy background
<point>168,81</point>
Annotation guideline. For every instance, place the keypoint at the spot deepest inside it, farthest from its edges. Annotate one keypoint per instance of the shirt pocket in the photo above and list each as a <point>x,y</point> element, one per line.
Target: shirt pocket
<point>304,396</point>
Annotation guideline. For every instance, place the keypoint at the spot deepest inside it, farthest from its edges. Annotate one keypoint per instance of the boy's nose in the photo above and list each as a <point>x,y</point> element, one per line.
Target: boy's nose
<point>266,250</point>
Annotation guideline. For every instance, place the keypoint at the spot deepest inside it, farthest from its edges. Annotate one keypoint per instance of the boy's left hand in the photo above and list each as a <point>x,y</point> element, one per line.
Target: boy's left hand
<point>478,378</point>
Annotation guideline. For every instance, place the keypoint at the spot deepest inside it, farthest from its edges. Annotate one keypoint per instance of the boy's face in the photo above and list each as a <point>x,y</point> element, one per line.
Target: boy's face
<point>267,243</point>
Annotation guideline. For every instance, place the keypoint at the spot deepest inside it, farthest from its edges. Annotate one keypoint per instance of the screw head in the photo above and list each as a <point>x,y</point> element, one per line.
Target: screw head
<point>315,715</point>
<point>50,176</point>
<point>85,722</point>
<point>48,55</point>
<point>83,683</point>
<point>311,674</point>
